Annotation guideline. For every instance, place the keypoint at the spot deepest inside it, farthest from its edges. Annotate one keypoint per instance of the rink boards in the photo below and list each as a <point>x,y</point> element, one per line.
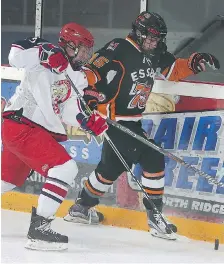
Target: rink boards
<point>187,121</point>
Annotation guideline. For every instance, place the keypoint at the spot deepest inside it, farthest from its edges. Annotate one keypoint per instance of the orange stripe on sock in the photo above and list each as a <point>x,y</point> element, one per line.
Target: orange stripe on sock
<point>103,179</point>
<point>92,190</point>
<point>156,174</point>
<point>154,192</point>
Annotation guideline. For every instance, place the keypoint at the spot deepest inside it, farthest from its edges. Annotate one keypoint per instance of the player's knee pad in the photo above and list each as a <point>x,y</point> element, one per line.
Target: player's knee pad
<point>65,172</point>
<point>6,186</point>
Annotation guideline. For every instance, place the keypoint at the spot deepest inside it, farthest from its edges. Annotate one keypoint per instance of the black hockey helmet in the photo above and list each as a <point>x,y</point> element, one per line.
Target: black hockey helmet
<point>149,25</point>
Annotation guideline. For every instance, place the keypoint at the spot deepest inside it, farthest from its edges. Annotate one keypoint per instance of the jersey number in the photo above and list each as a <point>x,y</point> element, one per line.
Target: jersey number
<point>99,62</point>
<point>141,94</point>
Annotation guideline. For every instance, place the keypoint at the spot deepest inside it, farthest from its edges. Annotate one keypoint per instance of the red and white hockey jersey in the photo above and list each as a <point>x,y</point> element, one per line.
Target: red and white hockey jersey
<point>46,98</point>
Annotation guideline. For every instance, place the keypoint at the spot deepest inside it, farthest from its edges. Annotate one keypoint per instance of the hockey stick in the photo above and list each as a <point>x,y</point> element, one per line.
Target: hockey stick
<point>155,209</point>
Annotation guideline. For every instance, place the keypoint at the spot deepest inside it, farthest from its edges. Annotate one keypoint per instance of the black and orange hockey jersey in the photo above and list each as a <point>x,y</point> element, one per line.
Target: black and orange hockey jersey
<point>124,77</point>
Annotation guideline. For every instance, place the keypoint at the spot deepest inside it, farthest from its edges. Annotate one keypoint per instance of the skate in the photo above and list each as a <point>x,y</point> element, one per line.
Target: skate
<point>79,213</point>
<point>42,237</point>
<point>156,224</point>
<point>158,228</point>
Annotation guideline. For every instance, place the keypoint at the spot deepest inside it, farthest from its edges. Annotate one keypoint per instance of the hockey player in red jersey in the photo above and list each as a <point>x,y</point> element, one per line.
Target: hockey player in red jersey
<point>32,124</point>
<point>126,69</point>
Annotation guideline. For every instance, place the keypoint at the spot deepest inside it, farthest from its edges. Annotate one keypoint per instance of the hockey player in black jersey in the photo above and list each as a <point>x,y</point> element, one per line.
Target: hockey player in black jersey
<point>123,74</point>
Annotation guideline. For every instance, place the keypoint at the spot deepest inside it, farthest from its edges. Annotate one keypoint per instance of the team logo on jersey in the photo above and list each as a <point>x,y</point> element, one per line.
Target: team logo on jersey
<point>142,74</point>
<point>140,92</point>
<point>60,91</point>
<point>113,45</point>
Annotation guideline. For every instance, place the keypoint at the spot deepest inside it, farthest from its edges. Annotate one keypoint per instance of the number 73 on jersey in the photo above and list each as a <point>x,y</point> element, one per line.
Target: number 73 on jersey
<point>141,92</point>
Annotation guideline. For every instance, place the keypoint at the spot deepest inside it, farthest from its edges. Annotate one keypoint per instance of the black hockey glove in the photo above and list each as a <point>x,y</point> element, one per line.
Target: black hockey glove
<point>197,62</point>
<point>91,97</point>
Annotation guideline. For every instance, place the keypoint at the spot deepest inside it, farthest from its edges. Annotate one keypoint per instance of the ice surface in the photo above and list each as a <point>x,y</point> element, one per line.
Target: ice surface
<point>101,244</point>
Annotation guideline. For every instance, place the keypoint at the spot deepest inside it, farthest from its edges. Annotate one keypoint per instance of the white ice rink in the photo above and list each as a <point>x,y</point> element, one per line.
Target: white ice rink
<point>101,244</point>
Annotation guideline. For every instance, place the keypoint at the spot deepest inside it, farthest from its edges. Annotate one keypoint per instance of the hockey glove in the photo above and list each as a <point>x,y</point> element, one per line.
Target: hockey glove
<point>91,96</point>
<point>197,62</point>
<point>52,58</point>
<point>94,124</point>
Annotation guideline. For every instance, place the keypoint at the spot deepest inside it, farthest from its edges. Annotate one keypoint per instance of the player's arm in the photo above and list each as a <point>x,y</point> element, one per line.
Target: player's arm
<point>175,69</point>
<point>30,53</point>
<point>25,53</point>
<point>105,73</point>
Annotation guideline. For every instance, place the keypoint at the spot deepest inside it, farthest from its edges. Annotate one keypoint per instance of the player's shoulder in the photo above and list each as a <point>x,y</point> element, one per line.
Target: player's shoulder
<point>29,42</point>
<point>167,56</point>
<point>166,60</point>
<point>115,44</point>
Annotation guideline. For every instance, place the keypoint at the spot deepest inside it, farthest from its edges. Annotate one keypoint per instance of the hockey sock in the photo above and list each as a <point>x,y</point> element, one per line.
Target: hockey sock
<point>97,185</point>
<point>158,203</point>
<point>153,183</point>
<point>51,197</point>
<point>87,200</point>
